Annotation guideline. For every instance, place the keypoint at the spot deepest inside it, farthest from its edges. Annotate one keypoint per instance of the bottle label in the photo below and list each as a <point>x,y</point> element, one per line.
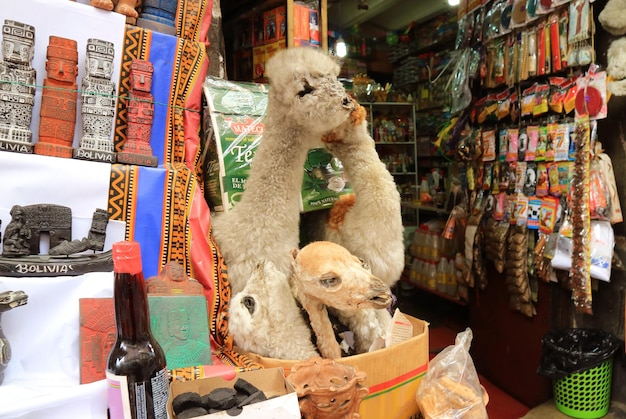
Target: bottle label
<point>137,400</point>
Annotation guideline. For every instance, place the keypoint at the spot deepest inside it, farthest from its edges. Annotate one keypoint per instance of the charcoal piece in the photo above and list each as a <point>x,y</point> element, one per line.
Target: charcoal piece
<point>244,386</point>
<point>234,411</point>
<point>220,398</point>
<point>259,396</point>
<point>186,401</point>
<point>192,412</point>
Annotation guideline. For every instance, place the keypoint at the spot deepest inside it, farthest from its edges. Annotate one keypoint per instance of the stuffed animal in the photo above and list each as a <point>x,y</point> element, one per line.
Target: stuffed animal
<point>305,101</point>
<point>327,277</point>
<point>613,17</point>
<point>369,223</point>
<point>616,66</point>
<point>265,319</point>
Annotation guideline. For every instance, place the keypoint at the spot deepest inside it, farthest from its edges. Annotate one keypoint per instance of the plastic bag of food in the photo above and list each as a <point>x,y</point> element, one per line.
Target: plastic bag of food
<point>451,388</point>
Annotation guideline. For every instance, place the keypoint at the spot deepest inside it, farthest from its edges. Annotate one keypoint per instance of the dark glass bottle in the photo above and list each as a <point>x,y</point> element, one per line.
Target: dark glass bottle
<point>137,378</point>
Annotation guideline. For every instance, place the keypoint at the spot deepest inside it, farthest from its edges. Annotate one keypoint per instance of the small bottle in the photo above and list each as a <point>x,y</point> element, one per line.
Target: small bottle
<point>136,373</point>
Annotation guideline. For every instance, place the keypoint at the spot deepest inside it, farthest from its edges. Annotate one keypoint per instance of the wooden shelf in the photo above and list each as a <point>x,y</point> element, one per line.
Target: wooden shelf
<point>439,294</point>
<point>429,208</point>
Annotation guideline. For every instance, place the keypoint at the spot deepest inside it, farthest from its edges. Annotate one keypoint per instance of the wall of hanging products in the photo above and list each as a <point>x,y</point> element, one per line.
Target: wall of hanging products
<point>530,157</point>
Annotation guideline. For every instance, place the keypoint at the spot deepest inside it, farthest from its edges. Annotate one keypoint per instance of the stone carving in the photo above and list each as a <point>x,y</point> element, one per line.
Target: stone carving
<point>23,235</point>
<point>173,280</point>
<point>58,100</point>
<point>98,103</point>
<point>140,113</point>
<point>327,389</point>
<point>124,7</point>
<point>97,335</point>
<point>17,86</point>
<point>159,15</point>
<point>8,300</point>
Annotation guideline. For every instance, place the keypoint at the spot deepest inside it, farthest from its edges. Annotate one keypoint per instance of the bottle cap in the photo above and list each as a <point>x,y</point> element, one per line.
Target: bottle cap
<point>126,257</point>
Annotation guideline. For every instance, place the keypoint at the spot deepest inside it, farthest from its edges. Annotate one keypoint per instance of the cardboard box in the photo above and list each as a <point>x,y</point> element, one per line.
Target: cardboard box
<point>275,25</point>
<point>314,27</point>
<point>258,62</point>
<point>258,28</point>
<point>301,28</point>
<point>393,374</point>
<point>282,400</point>
<point>273,48</point>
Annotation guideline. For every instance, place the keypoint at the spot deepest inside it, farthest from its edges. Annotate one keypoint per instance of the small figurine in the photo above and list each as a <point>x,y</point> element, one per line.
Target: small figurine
<point>17,84</point>
<point>58,99</point>
<point>17,235</point>
<point>140,112</point>
<point>98,107</point>
<point>127,8</point>
<point>8,300</point>
<point>327,389</point>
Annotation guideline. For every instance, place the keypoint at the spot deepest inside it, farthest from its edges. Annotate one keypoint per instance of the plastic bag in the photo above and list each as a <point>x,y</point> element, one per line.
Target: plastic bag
<point>570,351</point>
<point>451,388</point>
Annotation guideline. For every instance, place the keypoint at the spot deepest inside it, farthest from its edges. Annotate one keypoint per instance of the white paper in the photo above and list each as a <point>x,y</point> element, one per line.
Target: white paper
<point>44,370</point>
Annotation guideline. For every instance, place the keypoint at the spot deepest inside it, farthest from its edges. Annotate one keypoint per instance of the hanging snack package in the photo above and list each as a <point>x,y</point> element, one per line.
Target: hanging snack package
<point>532,131</point>
<point>451,387</point>
<point>599,199</point>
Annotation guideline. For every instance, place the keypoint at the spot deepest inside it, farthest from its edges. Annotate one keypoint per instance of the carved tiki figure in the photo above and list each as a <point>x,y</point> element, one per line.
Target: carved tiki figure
<point>17,86</point>
<point>58,100</point>
<point>98,103</point>
<point>140,113</point>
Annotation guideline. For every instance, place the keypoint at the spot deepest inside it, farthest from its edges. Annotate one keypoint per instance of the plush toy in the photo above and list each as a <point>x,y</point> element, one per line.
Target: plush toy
<point>613,17</point>
<point>265,319</point>
<point>305,101</point>
<point>616,66</point>
<point>327,277</point>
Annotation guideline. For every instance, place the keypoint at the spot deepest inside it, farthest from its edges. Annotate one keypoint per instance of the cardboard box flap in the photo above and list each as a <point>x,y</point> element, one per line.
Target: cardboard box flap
<point>282,400</point>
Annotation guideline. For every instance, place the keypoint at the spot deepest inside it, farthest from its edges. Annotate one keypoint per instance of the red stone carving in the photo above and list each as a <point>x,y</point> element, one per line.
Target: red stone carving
<point>59,99</point>
<point>97,335</point>
<point>140,113</point>
<point>173,280</point>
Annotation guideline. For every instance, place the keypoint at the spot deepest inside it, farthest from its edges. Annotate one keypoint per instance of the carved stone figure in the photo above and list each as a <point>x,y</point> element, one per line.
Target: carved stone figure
<point>17,86</point>
<point>16,235</point>
<point>158,15</point>
<point>327,389</point>
<point>140,112</point>
<point>98,103</point>
<point>127,8</point>
<point>173,280</point>
<point>8,300</point>
<point>58,99</point>
<point>21,253</point>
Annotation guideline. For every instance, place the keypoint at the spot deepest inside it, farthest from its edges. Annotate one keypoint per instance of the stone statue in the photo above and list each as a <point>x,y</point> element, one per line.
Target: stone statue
<point>17,86</point>
<point>58,99</point>
<point>127,8</point>
<point>16,235</point>
<point>159,15</point>
<point>98,103</point>
<point>140,113</point>
<point>327,389</point>
<point>8,300</point>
